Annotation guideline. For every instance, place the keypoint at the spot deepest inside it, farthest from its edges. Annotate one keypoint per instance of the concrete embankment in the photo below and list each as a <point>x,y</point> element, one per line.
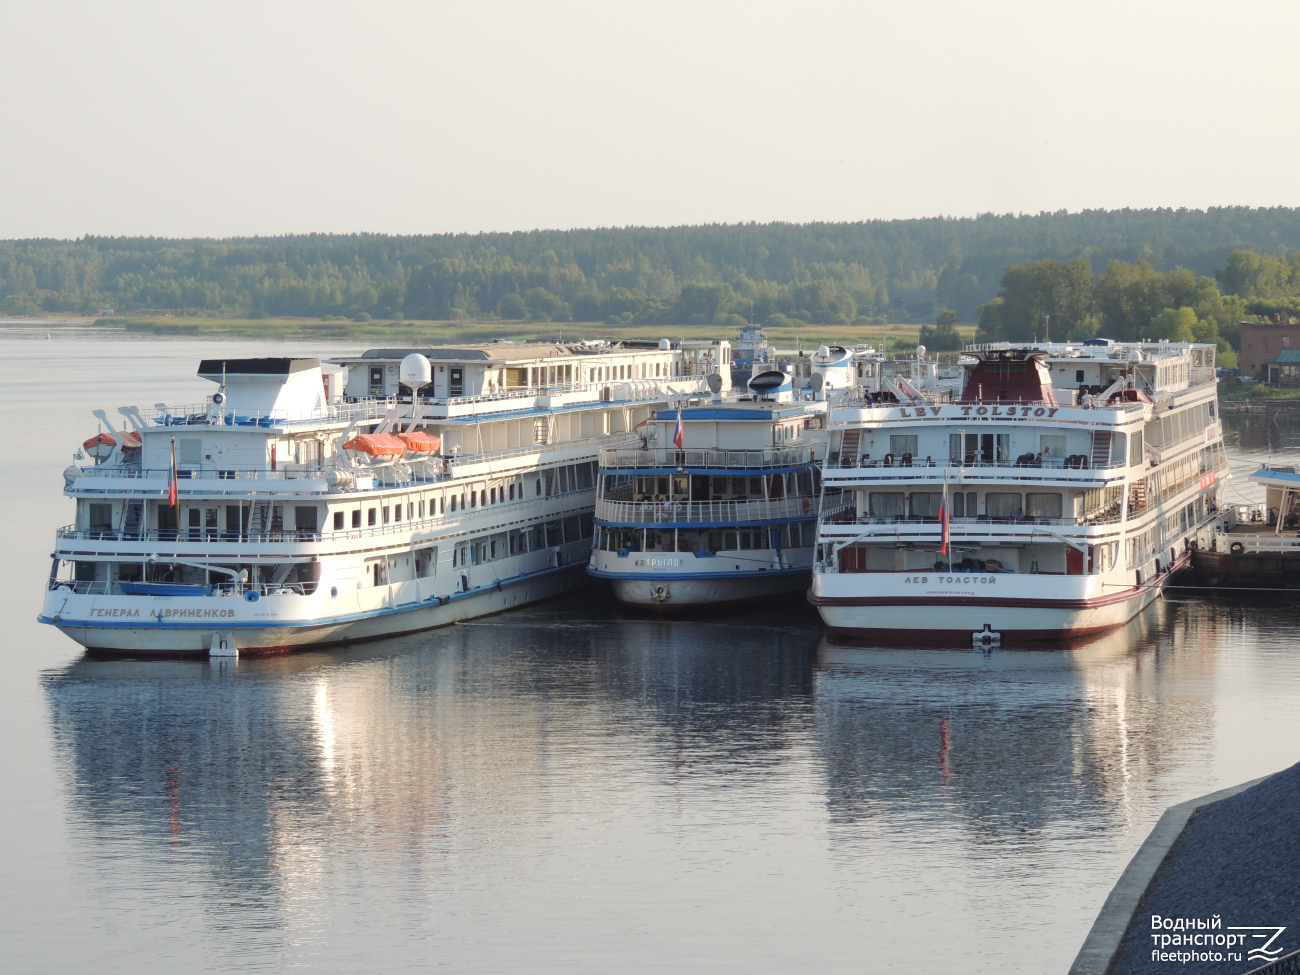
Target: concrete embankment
<point>1232,856</point>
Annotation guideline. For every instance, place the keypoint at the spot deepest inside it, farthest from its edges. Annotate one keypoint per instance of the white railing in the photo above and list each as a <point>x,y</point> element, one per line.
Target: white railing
<point>671,459</point>
<point>698,512</point>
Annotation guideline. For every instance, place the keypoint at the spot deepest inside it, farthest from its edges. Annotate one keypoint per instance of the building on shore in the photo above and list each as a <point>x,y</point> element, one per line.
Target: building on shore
<point>1262,342</point>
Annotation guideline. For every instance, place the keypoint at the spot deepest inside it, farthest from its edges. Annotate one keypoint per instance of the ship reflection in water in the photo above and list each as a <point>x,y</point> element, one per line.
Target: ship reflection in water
<point>536,792</point>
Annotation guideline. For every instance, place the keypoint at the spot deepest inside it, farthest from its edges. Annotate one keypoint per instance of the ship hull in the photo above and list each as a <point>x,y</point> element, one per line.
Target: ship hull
<point>244,636</point>
<point>679,593</point>
<point>941,612</point>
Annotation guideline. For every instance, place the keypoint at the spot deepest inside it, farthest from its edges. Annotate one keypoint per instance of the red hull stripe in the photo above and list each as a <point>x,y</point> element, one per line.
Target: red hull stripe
<point>975,601</point>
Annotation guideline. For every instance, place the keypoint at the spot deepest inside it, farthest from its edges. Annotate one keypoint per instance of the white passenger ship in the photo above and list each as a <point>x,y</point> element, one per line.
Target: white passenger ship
<point>277,514</point>
<point>1051,499</point>
<point>718,505</point>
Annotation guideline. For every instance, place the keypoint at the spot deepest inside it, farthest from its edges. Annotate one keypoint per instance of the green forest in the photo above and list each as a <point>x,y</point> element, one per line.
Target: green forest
<point>1123,273</point>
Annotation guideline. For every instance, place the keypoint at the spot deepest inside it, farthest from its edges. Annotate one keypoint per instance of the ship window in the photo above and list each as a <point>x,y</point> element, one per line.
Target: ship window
<point>999,504</point>
<point>494,495</point>
<point>512,492</point>
<point>338,521</point>
<point>370,517</point>
<point>442,505</point>
<point>376,380</point>
<point>457,381</point>
<point>925,504</point>
<point>387,514</point>
<point>1078,375</point>
<point>1135,448</point>
<point>1052,445</point>
<point>101,518</point>
<point>356,518</point>
<point>886,504</point>
<point>304,518</point>
<point>552,534</point>
<point>1043,505</point>
<point>903,443</point>
<point>397,513</point>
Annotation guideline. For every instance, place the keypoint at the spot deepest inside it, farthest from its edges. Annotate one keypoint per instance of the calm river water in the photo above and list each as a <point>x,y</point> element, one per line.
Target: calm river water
<point>562,789</point>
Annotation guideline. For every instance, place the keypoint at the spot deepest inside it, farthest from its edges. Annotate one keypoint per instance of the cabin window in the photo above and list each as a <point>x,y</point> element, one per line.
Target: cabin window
<point>539,487</point>
<point>1052,445</point>
<point>442,505</point>
<point>482,498</point>
<point>512,492</point>
<point>473,499</point>
<point>210,520</point>
<point>886,504</point>
<point>1003,504</point>
<point>376,380</point>
<point>903,443</point>
<point>457,381</point>
<point>964,504</point>
<point>356,518</point>
<point>1043,505</point>
<point>304,519</point>
<point>924,504</point>
<point>397,512</point>
<point>100,518</point>
<point>1078,375</point>
<point>387,514</point>
<point>338,521</point>
<point>370,517</point>
<point>1135,448</point>
<point>494,495</point>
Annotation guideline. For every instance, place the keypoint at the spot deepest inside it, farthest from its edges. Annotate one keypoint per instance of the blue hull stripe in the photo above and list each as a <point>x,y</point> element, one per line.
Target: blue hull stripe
<point>662,576</point>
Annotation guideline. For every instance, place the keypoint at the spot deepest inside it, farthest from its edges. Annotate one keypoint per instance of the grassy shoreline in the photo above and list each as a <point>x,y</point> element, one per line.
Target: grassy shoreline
<point>451,332</point>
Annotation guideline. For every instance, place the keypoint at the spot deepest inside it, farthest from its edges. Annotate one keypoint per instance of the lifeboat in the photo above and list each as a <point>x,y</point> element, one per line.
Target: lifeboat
<point>420,444</point>
<point>101,445</point>
<point>375,447</point>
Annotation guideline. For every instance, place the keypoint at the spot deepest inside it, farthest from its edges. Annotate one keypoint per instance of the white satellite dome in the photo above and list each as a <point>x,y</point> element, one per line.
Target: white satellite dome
<point>416,371</point>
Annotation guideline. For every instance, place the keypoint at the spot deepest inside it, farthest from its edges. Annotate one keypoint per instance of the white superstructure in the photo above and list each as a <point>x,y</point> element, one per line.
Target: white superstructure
<point>308,514</point>
<point>1073,479</point>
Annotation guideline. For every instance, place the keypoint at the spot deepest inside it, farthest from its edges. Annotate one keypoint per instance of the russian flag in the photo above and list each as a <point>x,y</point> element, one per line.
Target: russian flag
<point>679,434</point>
<point>943,520</point>
<point>171,481</point>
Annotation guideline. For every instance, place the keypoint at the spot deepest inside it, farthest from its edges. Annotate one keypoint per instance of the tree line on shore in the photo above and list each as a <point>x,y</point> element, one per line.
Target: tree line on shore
<point>1017,276</point>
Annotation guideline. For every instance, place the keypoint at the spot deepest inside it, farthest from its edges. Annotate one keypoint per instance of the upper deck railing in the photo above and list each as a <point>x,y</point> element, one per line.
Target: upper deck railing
<point>697,512</point>
<point>672,458</point>
<point>1053,468</point>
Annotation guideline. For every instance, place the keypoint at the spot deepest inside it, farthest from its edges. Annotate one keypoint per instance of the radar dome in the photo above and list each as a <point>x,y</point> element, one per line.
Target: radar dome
<point>664,345</point>
<point>415,372</point>
<point>920,351</point>
<point>823,351</point>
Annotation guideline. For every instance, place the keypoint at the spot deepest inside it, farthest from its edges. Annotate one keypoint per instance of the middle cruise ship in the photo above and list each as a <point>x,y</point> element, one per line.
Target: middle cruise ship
<point>718,503</point>
<point>1052,499</point>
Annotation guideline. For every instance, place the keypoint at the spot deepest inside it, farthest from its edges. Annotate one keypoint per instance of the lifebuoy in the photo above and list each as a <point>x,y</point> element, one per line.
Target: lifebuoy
<point>1236,548</point>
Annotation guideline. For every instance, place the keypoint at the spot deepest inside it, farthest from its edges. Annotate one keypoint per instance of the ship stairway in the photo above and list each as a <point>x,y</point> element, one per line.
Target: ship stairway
<point>1100,448</point>
<point>132,517</point>
<point>849,447</point>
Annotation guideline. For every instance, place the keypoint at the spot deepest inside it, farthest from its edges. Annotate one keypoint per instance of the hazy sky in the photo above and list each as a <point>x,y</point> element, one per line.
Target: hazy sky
<point>223,119</point>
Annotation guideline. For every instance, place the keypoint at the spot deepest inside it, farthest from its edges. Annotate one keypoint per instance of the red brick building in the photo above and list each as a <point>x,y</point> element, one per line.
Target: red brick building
<point>1262,341</point>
